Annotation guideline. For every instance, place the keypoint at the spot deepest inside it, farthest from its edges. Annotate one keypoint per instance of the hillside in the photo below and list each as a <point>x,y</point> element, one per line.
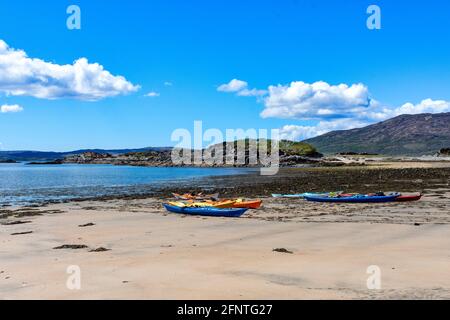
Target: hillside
<point>413,135</point>
<point>49,156</point>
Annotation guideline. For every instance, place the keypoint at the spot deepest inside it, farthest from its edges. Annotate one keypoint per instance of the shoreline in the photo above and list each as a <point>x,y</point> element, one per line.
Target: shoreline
<point>417,176</point>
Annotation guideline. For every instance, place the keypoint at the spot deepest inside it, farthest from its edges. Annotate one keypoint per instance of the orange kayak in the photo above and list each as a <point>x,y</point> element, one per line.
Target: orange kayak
<point>255,204</point>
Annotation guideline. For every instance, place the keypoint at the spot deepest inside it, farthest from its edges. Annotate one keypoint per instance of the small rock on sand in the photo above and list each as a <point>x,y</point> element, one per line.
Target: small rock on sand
<point>71,246</point>
<point>282,250</point>
<point>87,225</point>
<point>13,223</point>
<point>101,249</point>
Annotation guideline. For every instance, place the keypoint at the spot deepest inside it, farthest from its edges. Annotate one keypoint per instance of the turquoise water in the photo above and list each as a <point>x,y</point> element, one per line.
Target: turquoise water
<point>23,184</point>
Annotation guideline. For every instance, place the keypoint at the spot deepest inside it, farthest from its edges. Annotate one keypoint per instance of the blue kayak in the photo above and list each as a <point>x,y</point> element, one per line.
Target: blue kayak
<point>206,211</point>
<point>355,199</point>
<point>303,195</point>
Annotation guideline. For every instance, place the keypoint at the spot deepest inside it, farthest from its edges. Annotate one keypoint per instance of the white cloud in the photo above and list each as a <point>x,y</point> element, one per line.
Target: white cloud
<point>168,84</point>
<point>241,89</point>
<point>426,106</point>
<point>295,132</point>
<point>153,94</point>
<point>21,75</point>
<point>318,100</point>
<point>6,108</point>
<point>321,101</point>
<point>234,85</point>
<point>252,93</point>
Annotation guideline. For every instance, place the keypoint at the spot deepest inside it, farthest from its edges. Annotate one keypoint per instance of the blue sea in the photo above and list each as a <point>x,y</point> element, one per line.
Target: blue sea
<point>22,184</point>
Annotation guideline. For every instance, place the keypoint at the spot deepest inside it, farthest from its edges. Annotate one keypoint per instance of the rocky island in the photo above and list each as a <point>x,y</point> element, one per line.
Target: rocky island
<point>7,161</point>
<point>291,154</point>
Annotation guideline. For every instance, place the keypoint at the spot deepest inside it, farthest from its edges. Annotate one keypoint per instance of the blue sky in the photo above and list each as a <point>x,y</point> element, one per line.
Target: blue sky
<point>199,45</point>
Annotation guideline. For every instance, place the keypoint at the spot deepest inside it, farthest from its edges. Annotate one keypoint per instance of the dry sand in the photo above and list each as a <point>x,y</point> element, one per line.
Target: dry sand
<point>156,255</point>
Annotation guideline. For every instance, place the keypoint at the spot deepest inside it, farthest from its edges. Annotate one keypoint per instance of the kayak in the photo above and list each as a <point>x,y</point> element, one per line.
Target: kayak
<point>218,204</point>
<point>206,211</point>
<point>209,204</point>
<point>255,204</point>
<point>407,198</point>
<point>200,196</point>
<point>353,199</point>
<point>306,194</point>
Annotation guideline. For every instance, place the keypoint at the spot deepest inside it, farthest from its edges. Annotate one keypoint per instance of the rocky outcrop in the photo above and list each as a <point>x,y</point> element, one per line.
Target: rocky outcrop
<point>54,162</point>
<point>7,161</point>
<point>87,157</point>
<point>445,152</point>
<point>164,159</point>
<point>151,158</point>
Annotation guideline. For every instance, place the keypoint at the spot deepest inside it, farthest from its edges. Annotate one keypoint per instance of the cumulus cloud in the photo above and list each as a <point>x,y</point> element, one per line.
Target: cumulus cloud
<point>426,106</point>
<point>21,75</point>
<point>251,93</point>
<point>318,100</point>
<point>6,108</point>
<point>324,102</point>
<point>234,85</point>
<point>241,89</point>
<point>153,94</point>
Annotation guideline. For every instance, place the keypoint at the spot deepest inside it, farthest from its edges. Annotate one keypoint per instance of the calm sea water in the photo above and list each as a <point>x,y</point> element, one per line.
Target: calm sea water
<point>24,184</point>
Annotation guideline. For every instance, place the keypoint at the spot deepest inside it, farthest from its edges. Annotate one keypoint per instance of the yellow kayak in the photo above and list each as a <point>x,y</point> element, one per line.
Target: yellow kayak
<point>214,204</point>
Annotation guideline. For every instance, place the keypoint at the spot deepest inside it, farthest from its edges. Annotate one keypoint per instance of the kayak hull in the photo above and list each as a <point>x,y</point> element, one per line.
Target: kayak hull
<point>248,204</point>
<point>206,211</point>
<point>407,198</point>
<point>373,199</point>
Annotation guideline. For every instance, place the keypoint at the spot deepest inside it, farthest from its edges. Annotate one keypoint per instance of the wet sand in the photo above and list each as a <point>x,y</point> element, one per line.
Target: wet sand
<point>133,249</point>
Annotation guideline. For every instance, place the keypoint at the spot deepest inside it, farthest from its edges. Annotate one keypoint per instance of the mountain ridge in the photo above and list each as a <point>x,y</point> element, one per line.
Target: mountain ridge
<point>404,135</point>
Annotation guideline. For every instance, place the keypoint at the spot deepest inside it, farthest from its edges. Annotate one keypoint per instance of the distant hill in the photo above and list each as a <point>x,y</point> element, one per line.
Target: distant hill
<point>48,156</point>
<point>413,135</point>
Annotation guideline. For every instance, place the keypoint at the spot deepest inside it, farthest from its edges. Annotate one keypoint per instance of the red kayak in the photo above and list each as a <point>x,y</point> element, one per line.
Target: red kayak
<point>406,198</point>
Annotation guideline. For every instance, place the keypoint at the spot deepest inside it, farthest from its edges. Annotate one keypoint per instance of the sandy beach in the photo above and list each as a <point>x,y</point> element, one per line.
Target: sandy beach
<point>151,254</point>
